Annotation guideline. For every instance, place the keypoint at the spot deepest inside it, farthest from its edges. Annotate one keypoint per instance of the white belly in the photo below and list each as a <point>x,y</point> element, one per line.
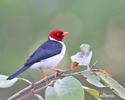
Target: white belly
<point>52,61</point>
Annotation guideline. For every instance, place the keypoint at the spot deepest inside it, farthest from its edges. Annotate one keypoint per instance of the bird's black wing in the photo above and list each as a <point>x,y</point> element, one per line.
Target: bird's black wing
<point>46,50</point>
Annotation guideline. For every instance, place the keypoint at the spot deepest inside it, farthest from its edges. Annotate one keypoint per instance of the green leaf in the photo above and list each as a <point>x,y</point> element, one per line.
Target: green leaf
<point>50,93</point>
<point>92,78</point>
<point>83,58</point>
<point>93,92</point>
<point>113,84</point>
<point>69,88</point>
<point>39,97</point>
<point>25,80</point>
<point>4,83</point>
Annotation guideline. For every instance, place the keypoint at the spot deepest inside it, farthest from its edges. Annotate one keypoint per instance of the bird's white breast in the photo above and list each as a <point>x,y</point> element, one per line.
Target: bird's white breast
<point>52,61</point>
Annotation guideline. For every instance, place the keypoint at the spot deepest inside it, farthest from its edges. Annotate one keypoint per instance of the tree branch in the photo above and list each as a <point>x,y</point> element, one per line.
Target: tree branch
<point>26,92</point>
<point>30,87</point>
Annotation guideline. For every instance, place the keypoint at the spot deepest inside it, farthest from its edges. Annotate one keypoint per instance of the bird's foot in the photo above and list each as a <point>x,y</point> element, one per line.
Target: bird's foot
<point>57,71</point>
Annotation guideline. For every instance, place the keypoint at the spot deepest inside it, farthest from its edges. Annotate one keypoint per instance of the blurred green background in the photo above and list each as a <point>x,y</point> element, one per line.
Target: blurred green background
<point>25,24</point>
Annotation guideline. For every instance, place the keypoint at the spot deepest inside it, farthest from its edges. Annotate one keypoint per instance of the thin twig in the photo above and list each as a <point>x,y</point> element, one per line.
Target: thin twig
<point>93,65</point>
<point>72,74</point>
<point>35,91</point>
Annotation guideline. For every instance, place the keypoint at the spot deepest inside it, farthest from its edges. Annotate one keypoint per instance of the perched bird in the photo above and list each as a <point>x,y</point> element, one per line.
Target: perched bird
<point>47,56</point>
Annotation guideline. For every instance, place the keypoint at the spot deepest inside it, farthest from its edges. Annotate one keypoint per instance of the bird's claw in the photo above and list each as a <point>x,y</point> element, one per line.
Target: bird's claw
<point>58,71</point>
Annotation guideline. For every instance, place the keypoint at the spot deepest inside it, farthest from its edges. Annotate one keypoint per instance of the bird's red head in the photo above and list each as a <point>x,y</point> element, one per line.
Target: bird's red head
<point>58,34</point>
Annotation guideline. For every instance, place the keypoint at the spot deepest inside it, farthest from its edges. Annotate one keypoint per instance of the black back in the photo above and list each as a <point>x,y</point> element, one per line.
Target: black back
<point>47,49</point>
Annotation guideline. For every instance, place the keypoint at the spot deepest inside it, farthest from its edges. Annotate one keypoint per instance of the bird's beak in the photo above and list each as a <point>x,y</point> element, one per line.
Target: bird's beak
<point>65,33</point>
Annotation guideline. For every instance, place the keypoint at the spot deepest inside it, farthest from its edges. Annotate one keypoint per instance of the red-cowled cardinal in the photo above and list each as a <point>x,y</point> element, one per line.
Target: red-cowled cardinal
<point>47,56</point>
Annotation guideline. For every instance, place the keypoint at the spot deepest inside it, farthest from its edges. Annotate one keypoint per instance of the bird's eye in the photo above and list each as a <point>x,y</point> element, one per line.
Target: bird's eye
<point>58,34</point>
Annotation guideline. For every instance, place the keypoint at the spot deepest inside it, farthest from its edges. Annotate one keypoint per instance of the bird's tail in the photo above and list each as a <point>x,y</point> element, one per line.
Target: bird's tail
<point>19,71</point>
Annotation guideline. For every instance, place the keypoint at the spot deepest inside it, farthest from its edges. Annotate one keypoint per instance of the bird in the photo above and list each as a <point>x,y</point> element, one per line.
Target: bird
<point>47,56</point>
